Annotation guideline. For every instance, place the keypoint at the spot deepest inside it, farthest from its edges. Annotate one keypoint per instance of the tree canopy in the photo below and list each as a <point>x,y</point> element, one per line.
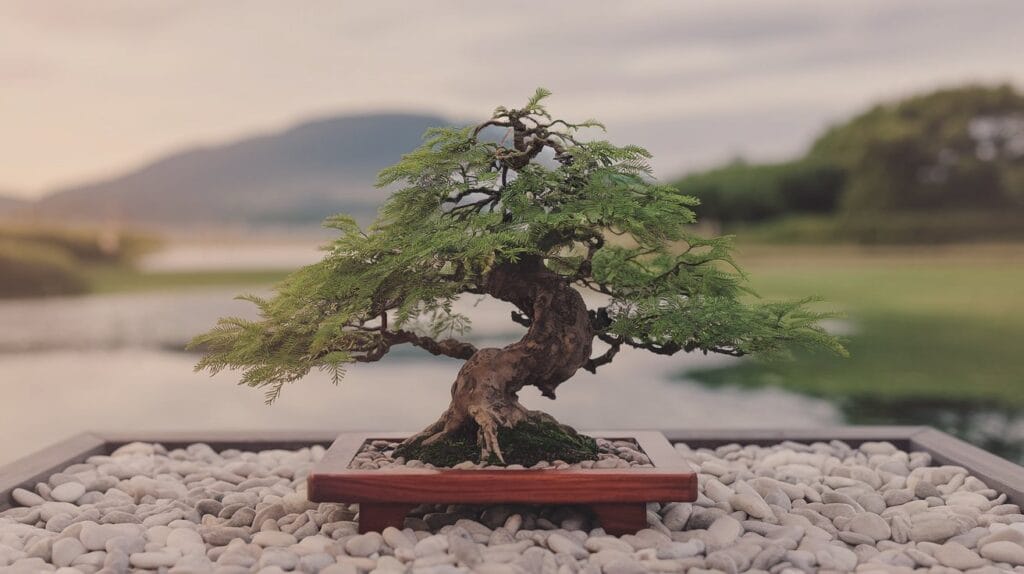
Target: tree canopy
<point>464,205</point>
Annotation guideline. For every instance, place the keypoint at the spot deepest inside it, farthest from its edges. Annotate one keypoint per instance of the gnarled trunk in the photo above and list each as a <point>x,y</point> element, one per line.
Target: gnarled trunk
<point>557,344</point>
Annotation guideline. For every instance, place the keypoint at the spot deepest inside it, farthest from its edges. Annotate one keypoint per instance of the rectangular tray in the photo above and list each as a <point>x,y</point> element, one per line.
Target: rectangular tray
<point>997,472</point>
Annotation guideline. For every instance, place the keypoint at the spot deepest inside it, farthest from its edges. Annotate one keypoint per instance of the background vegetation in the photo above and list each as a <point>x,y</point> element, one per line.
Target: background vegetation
<point>941,167</point>
<point>37,260</point>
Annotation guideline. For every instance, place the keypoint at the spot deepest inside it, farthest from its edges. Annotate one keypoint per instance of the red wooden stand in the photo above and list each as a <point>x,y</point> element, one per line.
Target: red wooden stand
<point>617,497</point>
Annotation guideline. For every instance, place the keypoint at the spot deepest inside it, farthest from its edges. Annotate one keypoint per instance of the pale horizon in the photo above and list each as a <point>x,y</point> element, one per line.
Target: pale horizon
<point>91,91</point>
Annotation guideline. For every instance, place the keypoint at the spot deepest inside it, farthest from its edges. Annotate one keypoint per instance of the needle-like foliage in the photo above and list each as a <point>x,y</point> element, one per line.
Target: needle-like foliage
<point>465,203</point>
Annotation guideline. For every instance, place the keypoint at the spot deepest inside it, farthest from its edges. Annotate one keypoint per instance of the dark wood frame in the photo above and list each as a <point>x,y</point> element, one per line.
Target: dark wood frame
<point>617,497</point>
<point>998,473</point>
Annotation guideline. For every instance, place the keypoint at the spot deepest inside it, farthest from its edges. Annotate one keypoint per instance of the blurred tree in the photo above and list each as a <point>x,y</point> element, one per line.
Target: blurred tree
<point>489,218</point>
<point>30,269</point>
<point>745,192</point>
<point>43,259</point>
<point>953,148</point>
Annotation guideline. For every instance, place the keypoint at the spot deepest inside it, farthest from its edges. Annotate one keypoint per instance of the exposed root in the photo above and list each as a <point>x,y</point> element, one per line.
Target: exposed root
<point>536,436</point>
<point>488,421</point>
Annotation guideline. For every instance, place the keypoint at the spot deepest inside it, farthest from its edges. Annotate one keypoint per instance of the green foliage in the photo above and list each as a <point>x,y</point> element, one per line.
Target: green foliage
<point>463,205</point>
<point>29,269</point>
<point>445,453</point>
<point>743,192</point>
<point>950,149</point>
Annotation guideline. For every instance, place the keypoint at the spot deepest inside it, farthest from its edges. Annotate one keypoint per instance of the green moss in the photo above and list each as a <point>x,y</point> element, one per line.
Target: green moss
<point>448,452</point>
<point>532,441</point>
<point>527,444</point>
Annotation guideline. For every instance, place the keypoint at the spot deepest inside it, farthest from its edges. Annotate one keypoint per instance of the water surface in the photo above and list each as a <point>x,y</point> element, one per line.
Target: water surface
<point>115,362</point>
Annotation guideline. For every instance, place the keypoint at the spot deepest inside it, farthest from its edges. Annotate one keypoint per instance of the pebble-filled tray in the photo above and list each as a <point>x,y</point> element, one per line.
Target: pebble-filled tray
<point>616,495</point>
<point>843,499</point>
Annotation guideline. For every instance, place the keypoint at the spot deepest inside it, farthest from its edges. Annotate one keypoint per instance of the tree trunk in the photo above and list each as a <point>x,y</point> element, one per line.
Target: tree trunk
<point>557,344</point>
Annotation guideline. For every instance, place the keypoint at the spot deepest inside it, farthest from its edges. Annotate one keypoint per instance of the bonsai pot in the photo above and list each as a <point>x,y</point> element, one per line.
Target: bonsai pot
<point>617,496</point>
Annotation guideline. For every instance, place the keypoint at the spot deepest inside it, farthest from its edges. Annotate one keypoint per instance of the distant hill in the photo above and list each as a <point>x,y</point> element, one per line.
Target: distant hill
<point>9,204</point>
<point>298,176</point>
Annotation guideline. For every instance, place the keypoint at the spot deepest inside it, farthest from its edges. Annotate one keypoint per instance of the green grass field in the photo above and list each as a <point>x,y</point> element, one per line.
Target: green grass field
<point>925,323</point>
<point>936,334</point>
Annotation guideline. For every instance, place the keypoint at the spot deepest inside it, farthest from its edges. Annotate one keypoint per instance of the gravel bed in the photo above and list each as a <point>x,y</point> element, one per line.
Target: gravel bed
<point>379,454</point>
<point>780,509</point>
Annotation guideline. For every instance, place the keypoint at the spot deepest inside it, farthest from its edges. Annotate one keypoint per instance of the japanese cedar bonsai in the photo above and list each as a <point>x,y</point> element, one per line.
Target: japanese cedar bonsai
<point>476,216</point>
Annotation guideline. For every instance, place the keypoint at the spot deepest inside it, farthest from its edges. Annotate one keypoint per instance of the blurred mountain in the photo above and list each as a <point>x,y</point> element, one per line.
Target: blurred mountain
<point>298,176</point>
<point>9,204</point>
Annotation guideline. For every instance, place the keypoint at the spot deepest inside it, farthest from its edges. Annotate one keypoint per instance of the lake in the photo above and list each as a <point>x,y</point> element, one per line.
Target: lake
<point>116,362</point>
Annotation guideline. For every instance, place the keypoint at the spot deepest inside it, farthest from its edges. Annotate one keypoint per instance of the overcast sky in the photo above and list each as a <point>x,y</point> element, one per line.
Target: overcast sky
<point>89,89</point>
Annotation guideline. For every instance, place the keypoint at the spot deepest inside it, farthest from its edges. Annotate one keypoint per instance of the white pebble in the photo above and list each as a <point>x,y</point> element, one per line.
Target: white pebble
<point>153,560</point>
<point>26,497</point>
<point>273,538</point>
<point>65,551</point>
<point>1004,551</point>
<point>68,492</point>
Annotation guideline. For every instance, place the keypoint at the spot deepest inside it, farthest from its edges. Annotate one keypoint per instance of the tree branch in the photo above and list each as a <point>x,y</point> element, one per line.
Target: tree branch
<point>448,347</point>
<point>594,362</point>
<point>468,192</point>
<point>499,123</point>
<point>600,321</point>
<point>594,243</point>
<point>671,348</point>
<point>473,207</point>
<point>596,287</point>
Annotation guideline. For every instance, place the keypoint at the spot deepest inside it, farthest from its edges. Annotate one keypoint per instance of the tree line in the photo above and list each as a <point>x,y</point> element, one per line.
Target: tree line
<point>943,165</point>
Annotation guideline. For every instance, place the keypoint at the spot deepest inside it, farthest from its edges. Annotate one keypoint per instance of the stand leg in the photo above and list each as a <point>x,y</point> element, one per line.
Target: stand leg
<point>376,516</point>
<point>621,518</point>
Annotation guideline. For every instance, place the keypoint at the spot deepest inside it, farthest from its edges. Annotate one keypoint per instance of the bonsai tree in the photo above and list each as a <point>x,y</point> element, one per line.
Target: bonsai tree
<point>538,219</point>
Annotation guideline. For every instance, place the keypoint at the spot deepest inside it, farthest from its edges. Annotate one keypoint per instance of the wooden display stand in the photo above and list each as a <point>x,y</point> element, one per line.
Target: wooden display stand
<point>617,497</point>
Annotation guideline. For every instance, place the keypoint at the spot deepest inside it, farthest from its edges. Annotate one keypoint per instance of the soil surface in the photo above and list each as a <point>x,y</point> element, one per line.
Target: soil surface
<point>611,454</point>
